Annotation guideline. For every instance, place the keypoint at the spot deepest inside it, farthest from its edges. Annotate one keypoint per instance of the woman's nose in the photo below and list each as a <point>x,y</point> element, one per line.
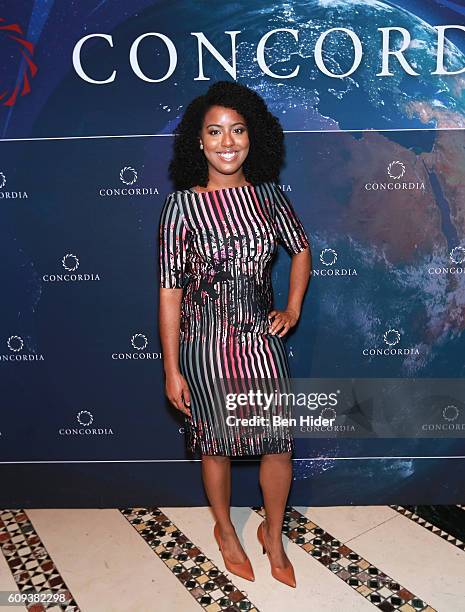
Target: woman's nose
<point>227,140</point>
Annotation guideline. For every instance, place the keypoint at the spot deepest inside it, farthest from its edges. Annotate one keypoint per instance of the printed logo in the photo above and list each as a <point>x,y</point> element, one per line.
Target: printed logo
<point>328,257</point>
<point>328,413</point>
<point>139,342</point>
<point>392,338</point>
<point>15,46</point>
<point>447,421</point>
<point>353,60</point>
<point>129,176</point>
<point>457,257</point>
<point>10,195</point>
<point>450,413</point>
<point>85,419</point>
<point>70,263</point>
<point>395,170</point>
<point>326,419</point>
<point>15,345</point>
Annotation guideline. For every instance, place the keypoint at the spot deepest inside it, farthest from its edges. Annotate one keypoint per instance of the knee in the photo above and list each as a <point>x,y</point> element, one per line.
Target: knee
<point>278,458</point>
<point>215,459</point>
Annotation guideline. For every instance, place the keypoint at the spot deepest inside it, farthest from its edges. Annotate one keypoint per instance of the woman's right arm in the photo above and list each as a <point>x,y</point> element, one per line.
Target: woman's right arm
<point>176,387</point>
<point>173,253</point>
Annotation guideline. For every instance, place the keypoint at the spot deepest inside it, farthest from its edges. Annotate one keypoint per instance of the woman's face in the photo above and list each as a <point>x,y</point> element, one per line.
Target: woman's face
<point>225,139</point>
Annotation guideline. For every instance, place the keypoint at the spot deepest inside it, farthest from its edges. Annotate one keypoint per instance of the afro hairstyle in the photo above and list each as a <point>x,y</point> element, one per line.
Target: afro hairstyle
<point>189,166</point>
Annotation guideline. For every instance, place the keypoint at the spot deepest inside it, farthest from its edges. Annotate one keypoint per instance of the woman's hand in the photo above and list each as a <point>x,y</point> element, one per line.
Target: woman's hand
<point>177,391</point>
<point>282,319</point>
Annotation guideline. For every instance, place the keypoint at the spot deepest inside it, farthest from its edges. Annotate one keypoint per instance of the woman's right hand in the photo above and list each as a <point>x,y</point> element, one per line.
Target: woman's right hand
<point>177,391</point>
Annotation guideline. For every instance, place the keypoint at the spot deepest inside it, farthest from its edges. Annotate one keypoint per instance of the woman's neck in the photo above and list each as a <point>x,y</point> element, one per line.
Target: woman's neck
<point>212,187</point>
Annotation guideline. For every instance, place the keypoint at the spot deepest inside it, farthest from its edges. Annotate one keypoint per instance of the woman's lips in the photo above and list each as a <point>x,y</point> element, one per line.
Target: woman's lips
<point>228,156</point>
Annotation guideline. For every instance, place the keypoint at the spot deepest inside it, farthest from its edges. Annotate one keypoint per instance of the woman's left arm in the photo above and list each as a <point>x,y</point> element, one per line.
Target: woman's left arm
<point>293,236</point>
<point>283,320</point>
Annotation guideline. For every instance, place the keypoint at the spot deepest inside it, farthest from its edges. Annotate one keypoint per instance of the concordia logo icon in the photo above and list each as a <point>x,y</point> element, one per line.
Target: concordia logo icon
<point>395,170</point>
<point>12,34</point>
<point>450,413</point>
<point>84,417</point>
<point>139,342</point>
<point>456,256</point>
<point>85,427</point>
<point>129,176</point>
<point>391,338</point>
<point>9,195</point>
<point>328,257</point>
<point>449,422</point>
<point>16,346</point>
<point>70,263</point>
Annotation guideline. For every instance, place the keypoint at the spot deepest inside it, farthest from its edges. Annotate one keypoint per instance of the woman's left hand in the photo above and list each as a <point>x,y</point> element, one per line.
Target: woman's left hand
<point>282,319</point>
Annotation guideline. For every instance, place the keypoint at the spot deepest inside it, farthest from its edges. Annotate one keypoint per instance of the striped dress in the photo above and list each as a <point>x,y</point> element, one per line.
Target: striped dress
<point>218,246</point>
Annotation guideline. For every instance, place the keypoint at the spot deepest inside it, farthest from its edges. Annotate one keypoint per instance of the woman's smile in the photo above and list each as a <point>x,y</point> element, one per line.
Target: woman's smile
<point>228,155</point>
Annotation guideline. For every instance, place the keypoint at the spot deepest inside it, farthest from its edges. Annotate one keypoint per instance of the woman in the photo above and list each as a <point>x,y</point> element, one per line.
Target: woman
<point>218,234</point>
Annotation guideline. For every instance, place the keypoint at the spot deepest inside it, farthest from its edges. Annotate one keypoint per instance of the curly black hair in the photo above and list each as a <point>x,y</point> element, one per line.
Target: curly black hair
<point>189,167</point>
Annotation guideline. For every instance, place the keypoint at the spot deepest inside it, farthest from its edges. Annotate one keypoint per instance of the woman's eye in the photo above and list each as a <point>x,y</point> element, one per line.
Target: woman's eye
<point>213,132</point>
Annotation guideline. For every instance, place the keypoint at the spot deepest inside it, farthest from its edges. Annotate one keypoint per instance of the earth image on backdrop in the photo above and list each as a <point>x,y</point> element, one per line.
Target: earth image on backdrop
<point>397,250</point>
<point>390,241</point>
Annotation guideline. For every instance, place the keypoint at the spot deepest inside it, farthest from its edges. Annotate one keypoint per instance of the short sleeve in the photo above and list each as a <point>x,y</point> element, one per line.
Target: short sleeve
<point>173,244</point>
<point>291,232</point>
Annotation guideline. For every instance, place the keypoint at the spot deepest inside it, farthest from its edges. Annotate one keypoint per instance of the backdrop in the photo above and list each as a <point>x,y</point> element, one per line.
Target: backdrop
<point>370,95</point>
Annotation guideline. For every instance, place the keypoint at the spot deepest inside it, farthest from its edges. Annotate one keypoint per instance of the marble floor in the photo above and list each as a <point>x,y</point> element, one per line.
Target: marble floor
<point>348,558</point>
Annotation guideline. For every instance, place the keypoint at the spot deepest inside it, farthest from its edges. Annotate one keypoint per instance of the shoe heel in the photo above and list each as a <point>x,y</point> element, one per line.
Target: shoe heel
<point>244,569</point>
<point>287,575</point>
<point>260,538</point>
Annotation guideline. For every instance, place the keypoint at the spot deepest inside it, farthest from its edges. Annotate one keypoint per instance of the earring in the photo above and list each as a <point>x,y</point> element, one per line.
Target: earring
<point>201,145</point>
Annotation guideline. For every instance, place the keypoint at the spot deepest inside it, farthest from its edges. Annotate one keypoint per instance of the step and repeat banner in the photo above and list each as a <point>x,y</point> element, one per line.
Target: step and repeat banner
<point>371,97</point>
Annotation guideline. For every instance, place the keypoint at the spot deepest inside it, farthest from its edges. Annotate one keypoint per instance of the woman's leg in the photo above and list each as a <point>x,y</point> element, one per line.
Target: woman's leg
<point>216,474</point>
<point>275,482</point>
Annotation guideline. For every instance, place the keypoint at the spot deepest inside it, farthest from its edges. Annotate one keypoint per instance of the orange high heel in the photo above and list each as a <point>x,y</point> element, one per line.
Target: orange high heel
<point>244,569</point>
<point>283,574</point>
